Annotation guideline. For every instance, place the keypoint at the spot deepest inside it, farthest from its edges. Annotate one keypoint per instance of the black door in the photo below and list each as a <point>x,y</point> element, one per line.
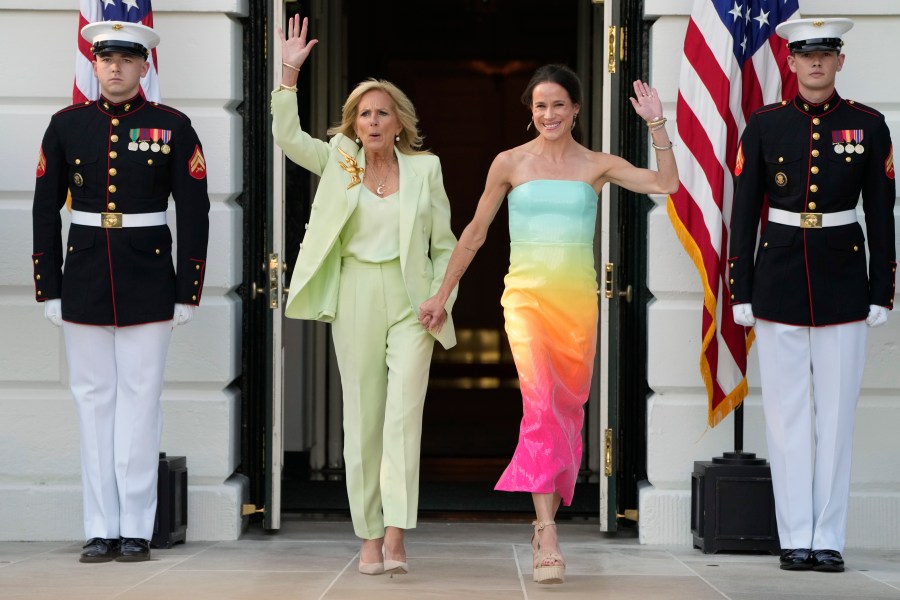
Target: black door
<point>628,257</point>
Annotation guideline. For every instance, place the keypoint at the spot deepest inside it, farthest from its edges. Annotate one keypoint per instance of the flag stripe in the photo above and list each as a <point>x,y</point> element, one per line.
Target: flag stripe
<point>86,87</point>
<point>733,64</point>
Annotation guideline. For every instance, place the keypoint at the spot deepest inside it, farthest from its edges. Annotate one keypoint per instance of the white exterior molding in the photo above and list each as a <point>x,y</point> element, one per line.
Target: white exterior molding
<point>677,434</point>
<point>200,73</point>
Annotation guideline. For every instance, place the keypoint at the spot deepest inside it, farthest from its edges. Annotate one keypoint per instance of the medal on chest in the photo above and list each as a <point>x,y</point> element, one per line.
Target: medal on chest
<point>847,141</point>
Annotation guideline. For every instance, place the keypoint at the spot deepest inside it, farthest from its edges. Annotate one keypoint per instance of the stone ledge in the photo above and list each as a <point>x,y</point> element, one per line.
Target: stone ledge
<point>34,513</point>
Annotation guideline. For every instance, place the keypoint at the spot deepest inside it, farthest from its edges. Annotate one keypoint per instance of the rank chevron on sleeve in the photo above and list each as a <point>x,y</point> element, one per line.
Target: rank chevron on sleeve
<point>197,164</point>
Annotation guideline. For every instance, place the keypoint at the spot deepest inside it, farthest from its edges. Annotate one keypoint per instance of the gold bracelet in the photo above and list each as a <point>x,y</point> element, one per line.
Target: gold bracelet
<point>290,66</point>
<point>659,121</point>
<point>657,127</point>
<point>287,88</point>
<point>655,147</point>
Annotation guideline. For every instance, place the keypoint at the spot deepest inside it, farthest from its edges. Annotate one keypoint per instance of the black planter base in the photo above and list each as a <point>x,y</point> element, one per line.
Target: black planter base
<point>732,505</point>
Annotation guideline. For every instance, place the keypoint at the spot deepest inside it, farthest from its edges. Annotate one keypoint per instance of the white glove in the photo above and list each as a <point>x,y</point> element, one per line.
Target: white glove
<point>183,314</point>
<point>53,311</point>
<point>877,316</point>
<point>743,314</point>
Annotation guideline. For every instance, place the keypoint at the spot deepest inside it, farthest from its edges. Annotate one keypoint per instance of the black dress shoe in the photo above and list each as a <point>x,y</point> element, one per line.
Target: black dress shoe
<point>134,550</point>
<point>98,550</point>
<point>828,561</point>
<point>797,559</point>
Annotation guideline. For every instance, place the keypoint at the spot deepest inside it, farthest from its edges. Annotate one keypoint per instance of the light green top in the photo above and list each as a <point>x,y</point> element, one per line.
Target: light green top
<point>372,233</point>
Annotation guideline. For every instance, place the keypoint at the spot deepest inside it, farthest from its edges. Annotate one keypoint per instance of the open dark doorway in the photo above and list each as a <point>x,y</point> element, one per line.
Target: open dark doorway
<point>464,64</point>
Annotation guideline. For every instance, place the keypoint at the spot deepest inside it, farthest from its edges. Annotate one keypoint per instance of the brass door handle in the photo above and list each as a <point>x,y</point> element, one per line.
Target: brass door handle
<point>256,291</point>
<point>609,284</point>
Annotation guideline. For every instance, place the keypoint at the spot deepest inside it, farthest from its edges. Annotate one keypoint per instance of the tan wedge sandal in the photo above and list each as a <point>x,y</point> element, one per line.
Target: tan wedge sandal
<point>549,567</point>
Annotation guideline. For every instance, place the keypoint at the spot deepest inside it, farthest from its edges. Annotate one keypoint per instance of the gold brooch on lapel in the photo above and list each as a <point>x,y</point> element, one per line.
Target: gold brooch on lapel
<point>351,167</point>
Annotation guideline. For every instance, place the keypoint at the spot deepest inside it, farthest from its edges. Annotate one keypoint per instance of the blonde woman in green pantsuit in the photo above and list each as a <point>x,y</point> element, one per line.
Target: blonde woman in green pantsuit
<point>376,246</point>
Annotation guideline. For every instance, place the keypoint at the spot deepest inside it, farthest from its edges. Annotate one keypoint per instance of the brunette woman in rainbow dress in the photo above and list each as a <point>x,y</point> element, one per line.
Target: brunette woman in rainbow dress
<point>550,298</point>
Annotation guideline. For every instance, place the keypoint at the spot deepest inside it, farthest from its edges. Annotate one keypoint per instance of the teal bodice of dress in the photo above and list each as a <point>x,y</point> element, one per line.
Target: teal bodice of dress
<point>552,211</point>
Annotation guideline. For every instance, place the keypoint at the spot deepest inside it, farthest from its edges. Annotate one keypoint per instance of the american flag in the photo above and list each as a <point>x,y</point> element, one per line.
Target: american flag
<point>133,11</point>
<point>733,64</point>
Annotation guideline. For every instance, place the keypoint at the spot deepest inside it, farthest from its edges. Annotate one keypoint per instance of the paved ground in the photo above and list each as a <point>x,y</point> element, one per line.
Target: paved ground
<point>311,560</point>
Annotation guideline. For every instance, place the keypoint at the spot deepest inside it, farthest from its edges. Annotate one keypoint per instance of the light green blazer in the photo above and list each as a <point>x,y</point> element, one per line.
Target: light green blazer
<point>426,240</point>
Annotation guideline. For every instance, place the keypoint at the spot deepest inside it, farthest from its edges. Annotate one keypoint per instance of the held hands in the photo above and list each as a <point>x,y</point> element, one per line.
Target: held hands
<point>646,102</point>
<point>295,49</point>
<point>877,316</point>
<point>432,315</point>
<point>743,314</point>
<point>183,314</point>
<point>53,311</point>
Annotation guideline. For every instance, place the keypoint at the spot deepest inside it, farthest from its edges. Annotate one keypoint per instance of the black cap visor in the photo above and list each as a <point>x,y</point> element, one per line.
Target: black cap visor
<point>120,46</point>
<point>827,44</point>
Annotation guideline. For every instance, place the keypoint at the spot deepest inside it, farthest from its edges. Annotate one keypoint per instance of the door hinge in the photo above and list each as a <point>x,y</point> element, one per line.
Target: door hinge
<point>608,453</point>
<point>611,49</point>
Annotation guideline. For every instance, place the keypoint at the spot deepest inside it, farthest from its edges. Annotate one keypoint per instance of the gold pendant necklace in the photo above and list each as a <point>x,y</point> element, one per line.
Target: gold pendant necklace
<point>380,182</point>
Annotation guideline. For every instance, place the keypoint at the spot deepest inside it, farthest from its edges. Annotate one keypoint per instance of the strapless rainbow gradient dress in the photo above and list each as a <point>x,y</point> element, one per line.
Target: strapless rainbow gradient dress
<point>550,304</point>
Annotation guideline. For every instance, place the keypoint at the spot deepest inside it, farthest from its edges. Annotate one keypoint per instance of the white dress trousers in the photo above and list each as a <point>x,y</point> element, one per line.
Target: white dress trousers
<point>811,378</point>
<point>116,377</point>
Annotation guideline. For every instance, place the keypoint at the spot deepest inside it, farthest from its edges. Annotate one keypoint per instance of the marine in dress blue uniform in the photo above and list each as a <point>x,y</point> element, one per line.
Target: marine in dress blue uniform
<point>118,290</point>
<point>807,281</point>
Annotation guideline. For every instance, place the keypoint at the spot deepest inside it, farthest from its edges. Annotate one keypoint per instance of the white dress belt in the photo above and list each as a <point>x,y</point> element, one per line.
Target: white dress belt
<point>113,220</point>
<point>812,220</point>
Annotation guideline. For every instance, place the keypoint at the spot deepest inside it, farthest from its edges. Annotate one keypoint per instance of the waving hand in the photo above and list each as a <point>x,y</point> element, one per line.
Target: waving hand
<point>295,49</point>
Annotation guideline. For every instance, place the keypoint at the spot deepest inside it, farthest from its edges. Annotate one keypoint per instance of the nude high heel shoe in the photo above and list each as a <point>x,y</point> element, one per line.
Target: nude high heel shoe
<point>549,567</point>
<point>375,568</point>
<point>395,567</point>
<point>371,568</point>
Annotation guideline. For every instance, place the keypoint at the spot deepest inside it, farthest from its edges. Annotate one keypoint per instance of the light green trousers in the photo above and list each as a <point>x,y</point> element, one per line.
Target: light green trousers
<point>383,355</point>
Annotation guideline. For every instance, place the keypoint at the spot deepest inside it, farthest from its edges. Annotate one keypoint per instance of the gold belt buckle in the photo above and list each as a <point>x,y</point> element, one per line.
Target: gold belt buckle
<point>110,220</point>
<point>810,220</point>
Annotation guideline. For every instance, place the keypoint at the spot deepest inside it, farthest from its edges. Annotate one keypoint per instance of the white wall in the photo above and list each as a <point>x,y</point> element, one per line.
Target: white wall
<point>676,414</point>
<point>201,74</point>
